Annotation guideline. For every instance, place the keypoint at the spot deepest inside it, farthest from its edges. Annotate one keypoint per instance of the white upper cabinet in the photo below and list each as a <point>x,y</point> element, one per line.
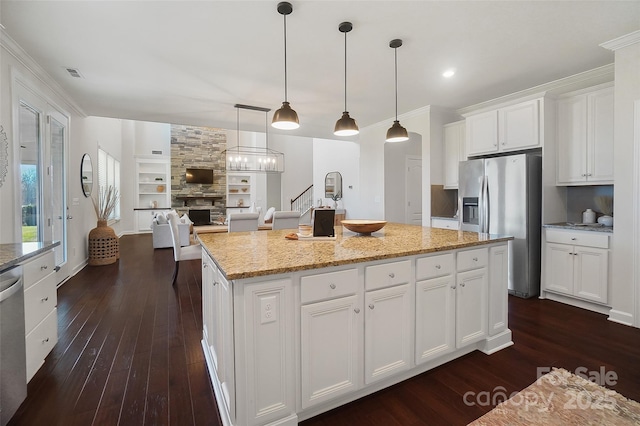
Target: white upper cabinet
<point>509,128</point>
<point>585,138</point>
<point>454,152</point>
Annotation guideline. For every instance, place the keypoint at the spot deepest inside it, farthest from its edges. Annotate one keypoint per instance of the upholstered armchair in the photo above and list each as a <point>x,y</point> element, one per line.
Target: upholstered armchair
<point>162,232</point>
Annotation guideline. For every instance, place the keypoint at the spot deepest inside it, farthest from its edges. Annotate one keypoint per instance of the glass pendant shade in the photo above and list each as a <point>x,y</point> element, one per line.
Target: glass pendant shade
<point>285,118</point>
<point>397,133</point>
<point>346,126</point>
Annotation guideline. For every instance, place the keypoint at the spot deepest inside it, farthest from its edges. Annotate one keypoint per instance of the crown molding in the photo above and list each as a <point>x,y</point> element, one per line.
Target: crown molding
<point>15,50</point>
<point>624,41</point>
<point>578,81</point>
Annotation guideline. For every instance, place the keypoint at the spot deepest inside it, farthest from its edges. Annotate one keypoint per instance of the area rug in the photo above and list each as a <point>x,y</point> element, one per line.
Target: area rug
<point>562,398</point>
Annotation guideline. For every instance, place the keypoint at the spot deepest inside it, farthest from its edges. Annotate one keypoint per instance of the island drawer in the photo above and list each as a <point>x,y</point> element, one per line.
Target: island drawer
<point>39,300</point>
<point>472,259</point>
<point>387,275</point>
<point>37,268</point>
<point>578,238</point>
<point>434,266</point>
<point>314,288</point>
<point>40,341</point>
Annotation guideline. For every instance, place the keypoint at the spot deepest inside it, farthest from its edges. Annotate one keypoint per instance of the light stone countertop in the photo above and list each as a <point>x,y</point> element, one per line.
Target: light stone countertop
<point>593,228</point>
<point>16,253</point>
<point>252,254</point>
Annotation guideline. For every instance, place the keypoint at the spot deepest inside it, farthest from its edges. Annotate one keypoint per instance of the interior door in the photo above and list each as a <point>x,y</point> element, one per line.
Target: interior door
<point>413,188</point>
<point>57,194</point>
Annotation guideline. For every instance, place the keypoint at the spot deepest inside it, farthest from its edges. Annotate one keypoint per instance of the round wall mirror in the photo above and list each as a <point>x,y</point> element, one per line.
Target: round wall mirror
<point>86,175</point>
<point>333,185</point>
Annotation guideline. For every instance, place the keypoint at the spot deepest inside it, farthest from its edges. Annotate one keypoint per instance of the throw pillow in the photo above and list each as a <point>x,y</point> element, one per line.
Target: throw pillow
<point>185,219</point>
<point>161,219</point>
<point>268,217</point>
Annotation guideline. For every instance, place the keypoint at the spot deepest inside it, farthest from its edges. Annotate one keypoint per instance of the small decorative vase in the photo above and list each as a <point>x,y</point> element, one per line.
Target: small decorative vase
<point>335,204</point>
<point>104,247</point>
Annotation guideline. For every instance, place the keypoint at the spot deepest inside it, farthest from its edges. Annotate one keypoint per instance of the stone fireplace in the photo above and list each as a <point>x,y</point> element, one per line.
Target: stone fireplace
<point>198,147</point>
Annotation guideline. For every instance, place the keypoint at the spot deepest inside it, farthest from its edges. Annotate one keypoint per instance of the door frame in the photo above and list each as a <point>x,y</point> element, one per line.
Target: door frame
<point>23,90</point>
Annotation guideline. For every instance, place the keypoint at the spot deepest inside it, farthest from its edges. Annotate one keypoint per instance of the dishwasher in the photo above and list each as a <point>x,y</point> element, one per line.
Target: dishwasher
<point>13,361</point>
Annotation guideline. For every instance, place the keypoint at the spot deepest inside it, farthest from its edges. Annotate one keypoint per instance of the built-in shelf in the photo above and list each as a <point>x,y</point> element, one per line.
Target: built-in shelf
<point>186,198</point>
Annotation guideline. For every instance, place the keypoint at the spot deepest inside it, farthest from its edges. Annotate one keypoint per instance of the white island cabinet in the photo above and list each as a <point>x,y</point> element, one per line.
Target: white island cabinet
<point>285,344</point>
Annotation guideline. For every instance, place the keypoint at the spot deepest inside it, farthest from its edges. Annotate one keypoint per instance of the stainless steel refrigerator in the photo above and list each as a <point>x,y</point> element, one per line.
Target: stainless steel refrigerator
<point>503,195</point>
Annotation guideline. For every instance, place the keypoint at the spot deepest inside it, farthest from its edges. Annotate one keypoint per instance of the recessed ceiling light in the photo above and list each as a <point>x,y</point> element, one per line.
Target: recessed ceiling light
<point>449,73</point>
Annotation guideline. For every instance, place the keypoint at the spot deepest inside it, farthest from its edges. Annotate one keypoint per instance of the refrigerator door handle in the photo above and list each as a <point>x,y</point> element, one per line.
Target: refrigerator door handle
<point>481,201</point>
<point>487,207</point>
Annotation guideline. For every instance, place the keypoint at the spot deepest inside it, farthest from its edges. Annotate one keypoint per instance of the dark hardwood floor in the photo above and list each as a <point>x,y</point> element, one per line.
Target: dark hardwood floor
<point>129,354</point>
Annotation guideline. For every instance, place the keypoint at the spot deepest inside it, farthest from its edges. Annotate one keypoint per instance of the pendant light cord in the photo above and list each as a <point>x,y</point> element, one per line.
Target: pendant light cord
<point>345,71</point>
<point>285,58</point>
<point>238,127</point>
<point>395,54</point>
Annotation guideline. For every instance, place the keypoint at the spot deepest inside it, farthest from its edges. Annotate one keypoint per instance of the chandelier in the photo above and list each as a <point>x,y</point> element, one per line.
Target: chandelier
<point>253,158</point>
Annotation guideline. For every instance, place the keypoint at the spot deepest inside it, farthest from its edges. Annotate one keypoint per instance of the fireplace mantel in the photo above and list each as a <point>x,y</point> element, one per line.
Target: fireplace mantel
<point>186,198</point>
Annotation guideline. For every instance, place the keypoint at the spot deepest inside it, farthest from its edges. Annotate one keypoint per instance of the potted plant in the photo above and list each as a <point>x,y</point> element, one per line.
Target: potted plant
<point>336,197</point>
<point>104,247</point>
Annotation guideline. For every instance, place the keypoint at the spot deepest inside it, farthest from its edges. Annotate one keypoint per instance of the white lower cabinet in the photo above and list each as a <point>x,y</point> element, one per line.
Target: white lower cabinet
<point>329,349</point>
<point>471,307</point>
<point>283,348</point>
<point>577,264</point>
<point>388,332</point>
<point>435,304</point>
<point>41,319</point>
<point>217,320</point>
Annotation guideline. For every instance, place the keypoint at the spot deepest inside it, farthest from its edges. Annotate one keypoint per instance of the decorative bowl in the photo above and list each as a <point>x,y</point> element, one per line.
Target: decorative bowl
<point>363,226</point>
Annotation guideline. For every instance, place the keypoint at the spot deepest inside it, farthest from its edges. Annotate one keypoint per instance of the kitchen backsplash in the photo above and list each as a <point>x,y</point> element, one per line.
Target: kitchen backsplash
<point>444,202</point>
<point>580,198</point>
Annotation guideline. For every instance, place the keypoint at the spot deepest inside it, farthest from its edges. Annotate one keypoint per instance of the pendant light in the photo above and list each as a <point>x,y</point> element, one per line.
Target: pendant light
<point>285,118</point>
<point>345,126</point>
<point>396,132</point>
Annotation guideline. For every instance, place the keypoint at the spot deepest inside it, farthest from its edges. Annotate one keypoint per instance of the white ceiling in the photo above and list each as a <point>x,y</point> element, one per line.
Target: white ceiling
<point>189,62</point>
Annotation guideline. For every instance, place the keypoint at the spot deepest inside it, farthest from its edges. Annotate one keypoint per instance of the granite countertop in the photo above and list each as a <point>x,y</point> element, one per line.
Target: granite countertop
<point>14,254</point>
<point>596,227</point>
<point>252,254</point>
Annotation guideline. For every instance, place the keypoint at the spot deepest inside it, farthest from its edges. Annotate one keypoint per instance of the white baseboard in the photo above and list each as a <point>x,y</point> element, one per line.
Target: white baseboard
<point>621,317</point>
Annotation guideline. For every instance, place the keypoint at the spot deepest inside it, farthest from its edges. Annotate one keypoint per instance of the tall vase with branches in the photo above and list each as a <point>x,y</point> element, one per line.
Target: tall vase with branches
<point>104,247</point>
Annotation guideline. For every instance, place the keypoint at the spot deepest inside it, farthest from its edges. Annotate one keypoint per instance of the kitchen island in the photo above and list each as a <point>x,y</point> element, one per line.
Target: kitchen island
<point>295,328</point>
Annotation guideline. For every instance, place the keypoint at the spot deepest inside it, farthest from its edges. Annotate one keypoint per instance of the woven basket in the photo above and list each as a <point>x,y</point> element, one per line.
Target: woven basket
<point>104,247</point>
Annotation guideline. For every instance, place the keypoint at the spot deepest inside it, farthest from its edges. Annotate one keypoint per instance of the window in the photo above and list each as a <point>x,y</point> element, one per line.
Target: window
<point>109,175</point>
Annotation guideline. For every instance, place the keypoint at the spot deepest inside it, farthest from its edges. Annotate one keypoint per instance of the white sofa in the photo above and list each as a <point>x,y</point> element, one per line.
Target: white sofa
<point>162,232</point>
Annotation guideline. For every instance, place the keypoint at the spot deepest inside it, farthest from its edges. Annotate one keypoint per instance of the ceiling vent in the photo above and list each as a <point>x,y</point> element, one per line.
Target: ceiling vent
<point>73,72</point>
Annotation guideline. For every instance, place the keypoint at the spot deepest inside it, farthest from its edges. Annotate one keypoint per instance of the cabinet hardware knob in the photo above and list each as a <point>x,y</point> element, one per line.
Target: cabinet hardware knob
<point>437,266</point>
<point>392,275</point>
<point>475,259</point>
<point>583,175</point>
<point>45,299</point>
<point>43,267</point>
<point>333,286</point>
<point>216,283</point>
<point>371,306</point>
<point>588,174</point>
<point>45,341</point>
<point>453,287</point>
<point>69,216</point>
<point>356,310</point>
<point>461,284</point>
<point>205,265</point>
<point>573,238</point>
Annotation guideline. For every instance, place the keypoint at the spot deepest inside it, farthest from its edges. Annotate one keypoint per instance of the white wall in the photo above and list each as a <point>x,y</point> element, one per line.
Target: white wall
<point>338,156</point>
<point>298,165</point>
<point>395,155</point>
<point>625,285</point>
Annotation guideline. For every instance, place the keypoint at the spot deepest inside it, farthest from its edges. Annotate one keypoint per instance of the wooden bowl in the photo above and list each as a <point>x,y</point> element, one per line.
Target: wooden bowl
<point>363,226</point>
